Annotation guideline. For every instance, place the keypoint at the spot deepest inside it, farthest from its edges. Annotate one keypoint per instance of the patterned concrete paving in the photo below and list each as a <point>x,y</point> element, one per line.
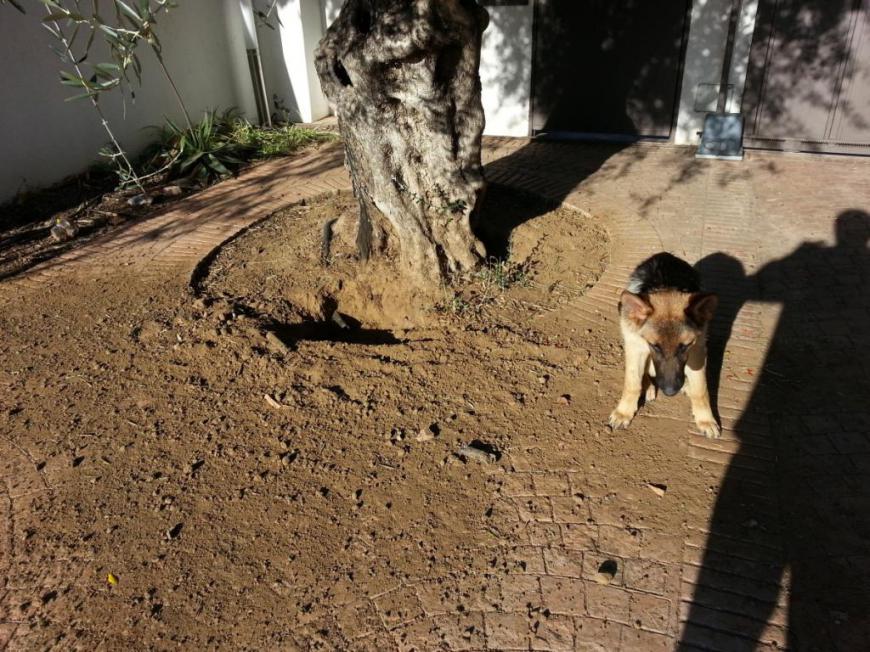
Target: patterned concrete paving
<point>778,553</point>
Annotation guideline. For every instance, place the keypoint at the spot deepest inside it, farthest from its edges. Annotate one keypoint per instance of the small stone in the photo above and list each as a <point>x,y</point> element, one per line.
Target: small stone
<point>339,321</point>
<point>171,191</point>
<point>272,402</point>
<point>564,399</point>
<point>397,435</point>
<point>140,200</point>
<point>175,531</point>
<point>64,230</point>
<point>289,457</point>
<point>479,452</point>
<point>658,489</point>
<point>428,433</point>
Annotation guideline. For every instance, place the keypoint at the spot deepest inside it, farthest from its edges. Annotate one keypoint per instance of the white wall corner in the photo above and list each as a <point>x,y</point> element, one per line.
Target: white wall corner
<point>313,27</point>
<point>290,72</point>
<point>241,37</point>
<point>506,70</point>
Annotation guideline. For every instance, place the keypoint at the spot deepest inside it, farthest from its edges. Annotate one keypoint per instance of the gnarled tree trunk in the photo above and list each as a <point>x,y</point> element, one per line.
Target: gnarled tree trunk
<point>402,77</point>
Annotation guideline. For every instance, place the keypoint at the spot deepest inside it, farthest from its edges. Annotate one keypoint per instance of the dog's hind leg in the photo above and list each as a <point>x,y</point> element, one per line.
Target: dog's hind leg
<point>696,388</point>
<point>636,359</point>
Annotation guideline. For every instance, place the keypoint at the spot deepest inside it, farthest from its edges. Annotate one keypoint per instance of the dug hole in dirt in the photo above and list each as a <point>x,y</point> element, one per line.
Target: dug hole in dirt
<point>255,466</point>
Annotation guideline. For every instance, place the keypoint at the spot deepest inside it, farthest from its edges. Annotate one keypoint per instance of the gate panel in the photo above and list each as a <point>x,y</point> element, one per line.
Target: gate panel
<point>808,85</point>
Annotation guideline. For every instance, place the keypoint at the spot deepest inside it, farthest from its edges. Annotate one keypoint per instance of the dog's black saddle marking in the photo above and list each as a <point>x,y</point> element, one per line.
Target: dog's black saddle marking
<point>664,271</point>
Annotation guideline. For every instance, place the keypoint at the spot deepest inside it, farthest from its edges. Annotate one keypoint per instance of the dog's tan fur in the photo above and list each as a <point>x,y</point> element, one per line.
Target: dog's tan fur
<point>666,319</point>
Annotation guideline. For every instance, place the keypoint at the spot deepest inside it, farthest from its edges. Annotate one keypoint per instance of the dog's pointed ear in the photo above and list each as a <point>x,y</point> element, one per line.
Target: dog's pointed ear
<point>701,307</point>
<point>634,307</point>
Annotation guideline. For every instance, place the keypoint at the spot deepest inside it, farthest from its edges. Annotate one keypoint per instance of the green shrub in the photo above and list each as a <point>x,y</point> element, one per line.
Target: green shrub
<point>220,144</point>
<point>277,141</point>
<point>204,153</point>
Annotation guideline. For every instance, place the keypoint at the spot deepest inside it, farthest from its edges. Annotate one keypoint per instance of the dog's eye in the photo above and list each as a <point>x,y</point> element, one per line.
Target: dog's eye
<point>656,348</point>
<point>682,348</point>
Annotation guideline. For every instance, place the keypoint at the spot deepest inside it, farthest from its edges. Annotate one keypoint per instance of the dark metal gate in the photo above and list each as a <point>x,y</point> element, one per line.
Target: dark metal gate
<point>808,84</point>
<point>607,68</point>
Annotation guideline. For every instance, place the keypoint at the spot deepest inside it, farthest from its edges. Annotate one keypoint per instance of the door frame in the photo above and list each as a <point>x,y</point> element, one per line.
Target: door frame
<point>604,137</point>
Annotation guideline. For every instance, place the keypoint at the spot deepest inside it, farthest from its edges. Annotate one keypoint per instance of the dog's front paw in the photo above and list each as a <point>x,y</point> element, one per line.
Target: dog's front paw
<point>709,428</point>
<point>651,393</point>
<point>620,418</point>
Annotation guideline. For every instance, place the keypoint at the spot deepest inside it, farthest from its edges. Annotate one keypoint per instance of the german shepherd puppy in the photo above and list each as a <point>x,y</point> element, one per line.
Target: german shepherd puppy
<point>664,317</point>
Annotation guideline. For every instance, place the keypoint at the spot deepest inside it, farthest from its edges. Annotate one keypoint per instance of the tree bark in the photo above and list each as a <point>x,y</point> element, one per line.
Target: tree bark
<point>402,77</point>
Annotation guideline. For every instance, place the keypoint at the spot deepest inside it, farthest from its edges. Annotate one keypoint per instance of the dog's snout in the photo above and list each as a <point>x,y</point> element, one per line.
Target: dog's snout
<point>671,390</point>
<point>670,376</point>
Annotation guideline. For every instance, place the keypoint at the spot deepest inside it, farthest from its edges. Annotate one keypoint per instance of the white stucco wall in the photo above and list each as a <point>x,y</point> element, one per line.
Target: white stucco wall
<point>240,34</point>
<point>705,54</point>
<point>287,53</point>
<point>44,139</point>
<point>506,70</point>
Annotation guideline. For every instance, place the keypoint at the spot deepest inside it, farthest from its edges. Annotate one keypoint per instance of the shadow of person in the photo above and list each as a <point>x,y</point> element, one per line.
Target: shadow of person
<point>787,558</point>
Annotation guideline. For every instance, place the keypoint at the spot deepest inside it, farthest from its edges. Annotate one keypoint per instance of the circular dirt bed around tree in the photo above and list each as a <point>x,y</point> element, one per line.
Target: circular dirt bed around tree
<point>542,257</point>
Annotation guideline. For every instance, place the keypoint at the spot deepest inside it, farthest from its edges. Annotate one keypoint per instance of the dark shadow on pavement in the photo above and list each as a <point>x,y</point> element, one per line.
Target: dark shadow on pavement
<point>544,169</point>
<point>789,539</point>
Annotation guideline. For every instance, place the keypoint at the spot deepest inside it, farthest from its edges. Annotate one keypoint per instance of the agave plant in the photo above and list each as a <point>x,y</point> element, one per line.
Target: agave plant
<point>206,152</point>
